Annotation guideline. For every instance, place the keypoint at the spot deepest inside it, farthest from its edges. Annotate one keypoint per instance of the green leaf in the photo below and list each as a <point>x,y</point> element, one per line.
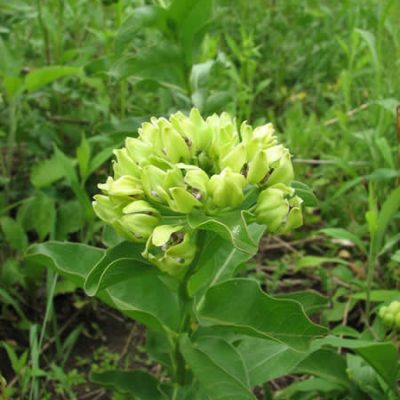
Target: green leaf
<point>327,364</point>
<point>340,233</point>
<point>14,233</point>
<point>73,260</point>
<point>311,385</point>
<point>218,367</point>
<point>386,214</point>
<point>143,294</point>
<point>38,213</point>
<point>378,295</point>
<point>267,359</point>
<point>241,305</point>
<point>192,27</point>
<point>137,289</point>
<point>140,384</point>
<point>142,17</point>
<point>317,261</point>
<point>127,251</point>
<point>45,75</point>
<point>231,226</point>
<point>383,357</point>
<point>46,172</point>
<point>72,178</point>
<point>83,156</point>
<point>70,219</point>
<point>162,63</point>
<point>306,193</point>
<point>100,158</point>
<point>310,300</point>
<point>365,377</point>
<point>219,260</point>
<point>369,38</point>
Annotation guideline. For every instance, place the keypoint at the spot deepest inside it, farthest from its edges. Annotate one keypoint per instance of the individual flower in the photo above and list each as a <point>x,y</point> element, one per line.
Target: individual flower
<point>171,249</point>
<point>279,209</point>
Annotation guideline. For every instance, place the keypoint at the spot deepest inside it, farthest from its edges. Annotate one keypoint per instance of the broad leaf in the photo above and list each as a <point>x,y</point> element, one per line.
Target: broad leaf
<point>14,233</point>
<point>73,260</point>
<point>327,364</point>
<point>45,75</point>
<point>46,172</point>
<point>306,193</point>
<point>267,359</point>
<point>132,286</point>
<point>218,260</point>
<point>126,251</point>
<point>140,384</point>
<point>310,300</point>
<point>231,226</point>
<point>383,357</point>
<point>240,304</point>
<point>162,63</point>
<point>218,367</point>
<point>142,17</point>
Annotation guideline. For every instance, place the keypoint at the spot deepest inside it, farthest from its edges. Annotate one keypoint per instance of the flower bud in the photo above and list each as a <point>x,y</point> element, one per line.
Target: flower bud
<point>394,307</point>
<point>235,159</point>
<point>193,129</point>
<point>156,182</point>
<point>279,209</point>
<point>182,201</point>
<point>281,166</point>
<point>124,165</point>
<point>171,249</point>
<point>226,188</point>
<point>391,314</point>
<point>140,219</point>
<point>397,320</point>
<point>258,167</point>
<point>260,139</point>
<point>272,208</point>
<point>225,135</point>
<point>108,209</point>
<point>123,186</point>
<point>138,150</point>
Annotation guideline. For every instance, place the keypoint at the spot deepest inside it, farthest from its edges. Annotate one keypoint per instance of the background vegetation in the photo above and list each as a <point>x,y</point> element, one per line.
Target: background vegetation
<point>78,76</point>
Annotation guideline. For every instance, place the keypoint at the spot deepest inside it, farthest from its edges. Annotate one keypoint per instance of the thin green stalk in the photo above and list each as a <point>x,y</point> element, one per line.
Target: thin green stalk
<point>52,281</point>
<point>45,33</point>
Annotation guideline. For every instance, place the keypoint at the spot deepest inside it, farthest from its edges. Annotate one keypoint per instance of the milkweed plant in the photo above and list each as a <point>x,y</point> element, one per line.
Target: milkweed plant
<point>190,199</point>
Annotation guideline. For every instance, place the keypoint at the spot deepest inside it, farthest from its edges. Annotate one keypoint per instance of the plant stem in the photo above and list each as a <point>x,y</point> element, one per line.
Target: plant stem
<point>45,33</point>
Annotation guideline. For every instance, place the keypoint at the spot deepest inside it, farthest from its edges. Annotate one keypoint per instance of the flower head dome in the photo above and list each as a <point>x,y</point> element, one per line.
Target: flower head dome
<point>186,164</point>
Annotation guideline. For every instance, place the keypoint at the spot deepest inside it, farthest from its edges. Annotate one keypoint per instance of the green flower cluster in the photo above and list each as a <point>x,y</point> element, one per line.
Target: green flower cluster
<point>391,314</point>
<point>186,165</point>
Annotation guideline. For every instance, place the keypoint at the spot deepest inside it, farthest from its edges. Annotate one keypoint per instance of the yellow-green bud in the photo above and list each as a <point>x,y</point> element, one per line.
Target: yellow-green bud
<point>281,166</point>
<point>171,249</point>
<point>140,219</point>
<point>397,320</point>
<point>107,208</point>
<point>225,135</point>
<point>235,159</point>
<point>391,314</point>
<point>124,186</point>
<point>279,209</point>
<point>394,307</point>
<point>272,208</point>
<point>226,189</point>
<point>124,165</point>
<point>138,150</point>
